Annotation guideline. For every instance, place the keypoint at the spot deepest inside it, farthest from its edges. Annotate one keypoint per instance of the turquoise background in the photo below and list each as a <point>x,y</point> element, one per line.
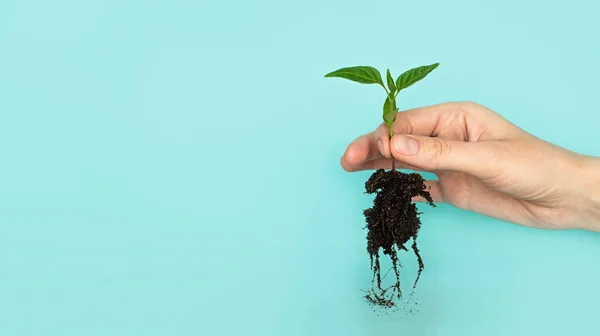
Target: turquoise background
<point>172,167</point>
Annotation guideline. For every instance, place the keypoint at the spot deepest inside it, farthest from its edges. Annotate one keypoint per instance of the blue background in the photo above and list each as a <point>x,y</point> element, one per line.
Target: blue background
<point>172,167</point>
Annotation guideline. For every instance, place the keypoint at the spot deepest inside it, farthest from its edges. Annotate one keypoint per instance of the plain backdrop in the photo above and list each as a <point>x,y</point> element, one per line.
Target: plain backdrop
<point>172,167</point>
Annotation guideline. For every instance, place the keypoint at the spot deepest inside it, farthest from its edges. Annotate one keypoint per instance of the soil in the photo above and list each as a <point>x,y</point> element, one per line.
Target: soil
<point>392,222</point>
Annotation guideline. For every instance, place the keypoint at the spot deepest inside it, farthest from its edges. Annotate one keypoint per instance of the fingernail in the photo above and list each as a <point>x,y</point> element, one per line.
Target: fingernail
<point>380,145</point>
<point>406,145</point>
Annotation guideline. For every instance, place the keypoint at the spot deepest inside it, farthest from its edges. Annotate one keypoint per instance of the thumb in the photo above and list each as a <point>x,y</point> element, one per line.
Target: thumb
<point>431,153</point>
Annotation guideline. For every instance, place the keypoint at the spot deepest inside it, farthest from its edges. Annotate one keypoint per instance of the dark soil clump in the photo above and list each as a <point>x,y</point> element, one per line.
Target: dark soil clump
<point>392,222</point>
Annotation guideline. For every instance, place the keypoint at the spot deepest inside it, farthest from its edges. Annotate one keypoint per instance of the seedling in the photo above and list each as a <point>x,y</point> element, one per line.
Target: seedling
<point>394,219</point>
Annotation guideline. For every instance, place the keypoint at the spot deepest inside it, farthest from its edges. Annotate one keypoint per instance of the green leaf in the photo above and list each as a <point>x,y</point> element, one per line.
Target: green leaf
<point>390,82</point>
<point>390,112</point>
<point>412,76</point>
<point>360,74</point>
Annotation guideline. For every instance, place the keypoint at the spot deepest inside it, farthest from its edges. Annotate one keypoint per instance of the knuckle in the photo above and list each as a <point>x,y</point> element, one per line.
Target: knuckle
<point>468,108</point>
<point>460,105</point>
<point>467,105</point>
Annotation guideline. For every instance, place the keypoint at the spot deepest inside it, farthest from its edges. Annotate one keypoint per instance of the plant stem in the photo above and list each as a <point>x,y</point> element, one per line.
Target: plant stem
<point>386,90</point>
<point>392,103</point>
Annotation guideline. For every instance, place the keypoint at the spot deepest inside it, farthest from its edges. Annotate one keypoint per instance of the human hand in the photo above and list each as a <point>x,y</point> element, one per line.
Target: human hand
<point>487,165</point>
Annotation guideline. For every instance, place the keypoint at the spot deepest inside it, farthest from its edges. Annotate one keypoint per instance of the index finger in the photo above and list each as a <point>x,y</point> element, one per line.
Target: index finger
<point>363,149</point>
<point>420,121</point>
<point>464,121</point>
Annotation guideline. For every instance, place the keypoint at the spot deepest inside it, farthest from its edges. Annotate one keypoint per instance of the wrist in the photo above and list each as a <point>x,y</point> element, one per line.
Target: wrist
<point>591,184</point>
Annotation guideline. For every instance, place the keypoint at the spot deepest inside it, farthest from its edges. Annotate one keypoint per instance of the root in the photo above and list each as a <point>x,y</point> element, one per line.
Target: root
<point>421,266</point>
<point>395,266</point>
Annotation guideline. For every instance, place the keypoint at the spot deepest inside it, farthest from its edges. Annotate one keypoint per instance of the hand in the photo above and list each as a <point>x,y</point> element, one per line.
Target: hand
<point>487,165</point>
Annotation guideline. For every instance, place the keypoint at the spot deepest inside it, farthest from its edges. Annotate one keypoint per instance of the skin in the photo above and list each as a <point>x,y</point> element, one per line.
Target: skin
<point>487,165</point>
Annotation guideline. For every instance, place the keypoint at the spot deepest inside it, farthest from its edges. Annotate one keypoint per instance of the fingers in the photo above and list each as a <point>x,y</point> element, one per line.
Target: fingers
<point>383,141</point>
<point>459,122</point>
<point>472,195</point>
<point>434,154</point>
<point>420,121</point>
<point>456,121</point>
<point>369,151</point>
<point>378,163</point>
<point>363,148</point>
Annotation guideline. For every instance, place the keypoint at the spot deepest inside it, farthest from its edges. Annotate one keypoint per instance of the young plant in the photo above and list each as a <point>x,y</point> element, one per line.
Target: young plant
<point>370,75</point>
<point>394,219</point>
